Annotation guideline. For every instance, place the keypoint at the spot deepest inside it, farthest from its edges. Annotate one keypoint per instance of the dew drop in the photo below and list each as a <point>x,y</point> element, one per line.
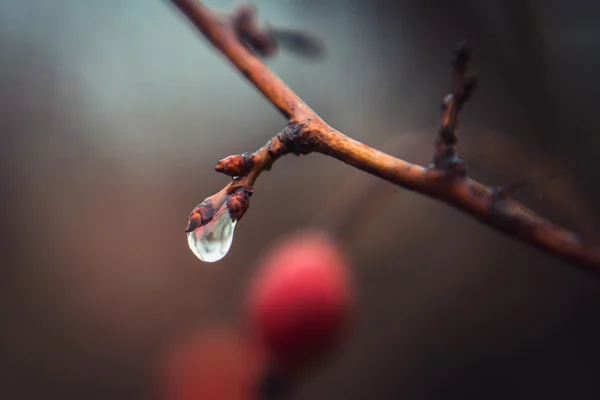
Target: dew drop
<point>212,241</point>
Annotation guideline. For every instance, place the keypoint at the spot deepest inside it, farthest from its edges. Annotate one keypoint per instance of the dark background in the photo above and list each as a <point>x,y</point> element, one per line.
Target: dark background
<point>114,113</point>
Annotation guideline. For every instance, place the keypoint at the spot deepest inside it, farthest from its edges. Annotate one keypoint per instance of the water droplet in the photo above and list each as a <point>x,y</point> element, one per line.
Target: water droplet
<point>212,241</point>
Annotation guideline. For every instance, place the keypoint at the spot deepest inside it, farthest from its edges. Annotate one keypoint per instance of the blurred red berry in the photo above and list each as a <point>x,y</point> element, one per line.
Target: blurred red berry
<point>212,365</point>
<point>301,299</point>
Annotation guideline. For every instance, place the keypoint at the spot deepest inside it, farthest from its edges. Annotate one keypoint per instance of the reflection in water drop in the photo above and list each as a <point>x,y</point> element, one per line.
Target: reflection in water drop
<point>212,241</point>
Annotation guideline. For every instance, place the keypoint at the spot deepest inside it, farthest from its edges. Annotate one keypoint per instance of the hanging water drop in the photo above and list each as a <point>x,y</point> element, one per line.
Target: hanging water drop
<point>212,241</point>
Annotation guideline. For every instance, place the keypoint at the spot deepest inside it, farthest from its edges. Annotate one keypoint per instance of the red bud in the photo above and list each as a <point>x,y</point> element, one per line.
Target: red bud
<point>236,165</point>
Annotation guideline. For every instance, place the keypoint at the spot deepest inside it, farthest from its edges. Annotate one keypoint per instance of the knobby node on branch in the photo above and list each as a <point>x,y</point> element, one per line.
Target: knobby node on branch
<point>211,223</point>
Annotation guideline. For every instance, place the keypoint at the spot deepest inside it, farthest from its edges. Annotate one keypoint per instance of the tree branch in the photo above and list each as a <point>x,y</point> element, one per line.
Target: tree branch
<point>307,132</point>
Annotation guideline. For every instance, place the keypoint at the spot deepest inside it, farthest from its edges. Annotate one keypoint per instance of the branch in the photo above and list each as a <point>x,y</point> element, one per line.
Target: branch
<point>307,133</point>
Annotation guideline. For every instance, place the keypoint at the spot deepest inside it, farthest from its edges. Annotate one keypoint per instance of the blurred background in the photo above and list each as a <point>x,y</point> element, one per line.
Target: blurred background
<point>113,115</point>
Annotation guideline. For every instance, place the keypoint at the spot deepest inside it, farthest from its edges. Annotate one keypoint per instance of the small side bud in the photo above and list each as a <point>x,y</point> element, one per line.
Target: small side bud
<point>236,165</point>
<point>238,203</point>
<point>250,33</point>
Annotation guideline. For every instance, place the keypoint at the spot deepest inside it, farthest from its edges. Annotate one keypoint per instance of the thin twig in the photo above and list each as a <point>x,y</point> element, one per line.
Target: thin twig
<point>464,83</point>
<point>307,132</point>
